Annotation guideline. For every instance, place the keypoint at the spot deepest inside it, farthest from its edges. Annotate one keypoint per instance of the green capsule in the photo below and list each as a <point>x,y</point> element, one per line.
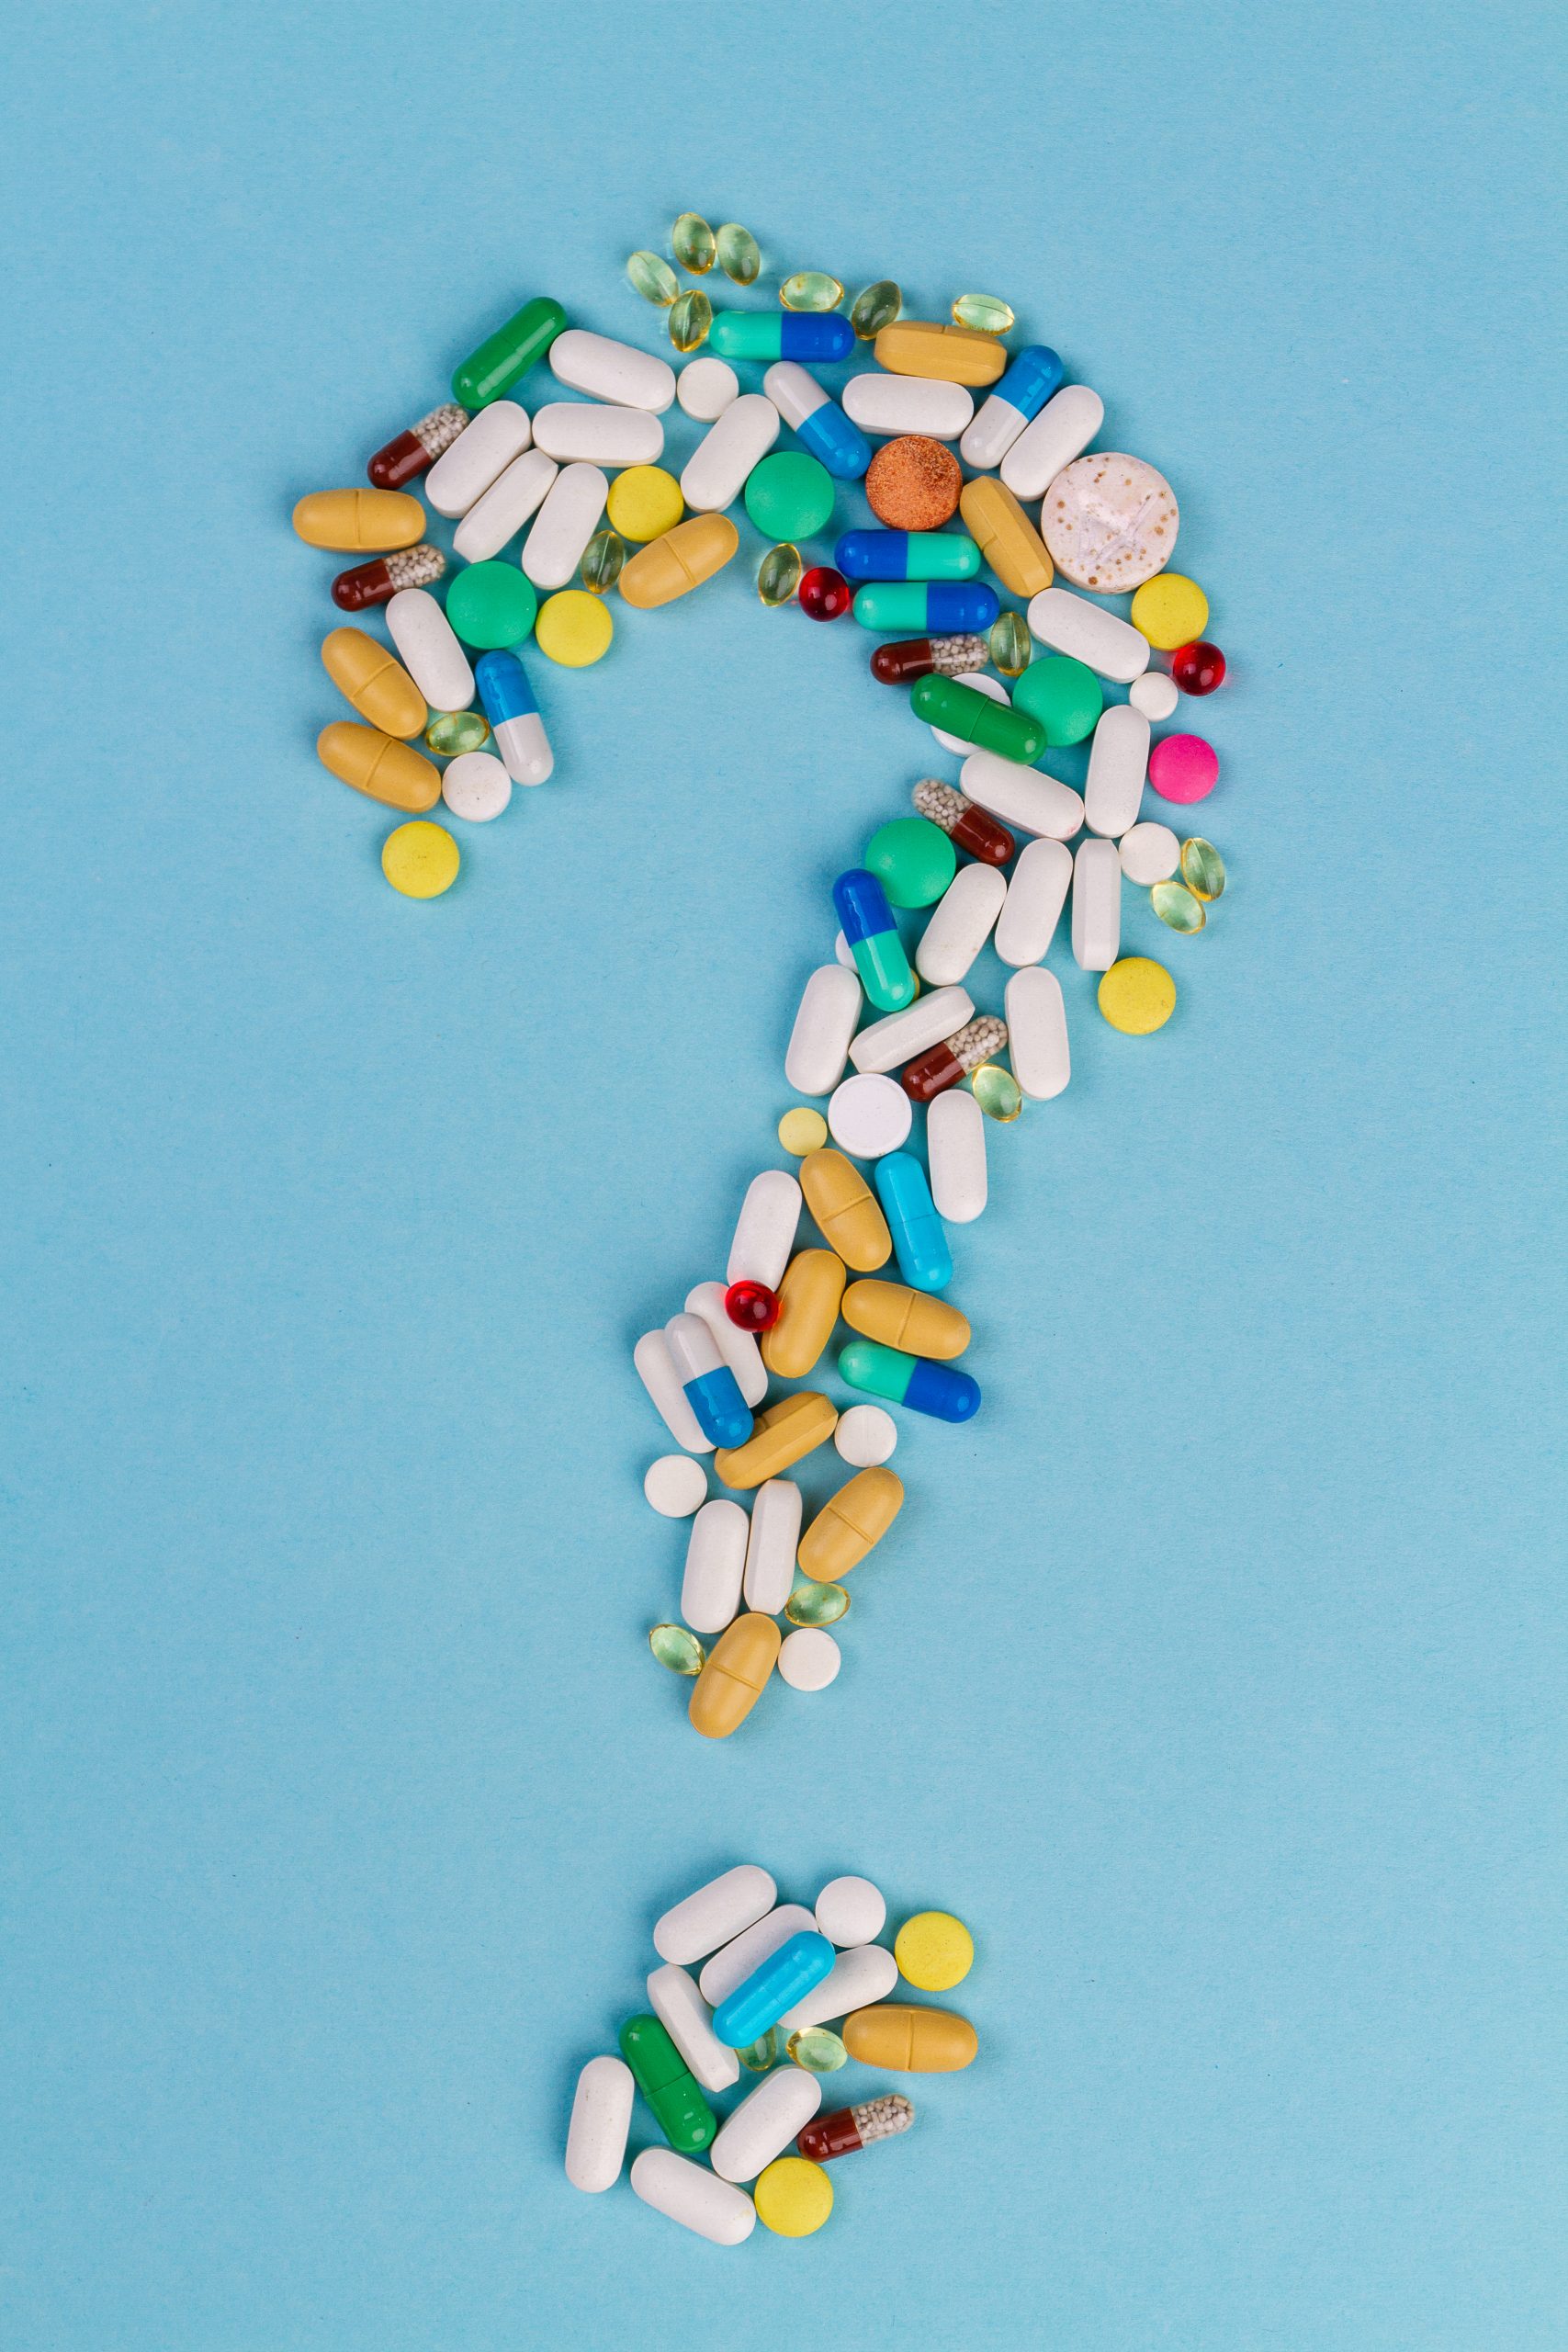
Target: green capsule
<point>817,1604</point>
<point>1175,905</point>
<point>758,2056</point>
<point>876,307</point>
<point>452,732</point>
<point>1012,648</point>
<point>1203,869</point>
<point>508,354</point>
<point>693,244</point>
<point>652,277</point>
<point>816,2051</point>
<point>689,318</point>
<point>811,289</point>
<point>738,256</point>
<point>682,2114</point>
<point>996,1091</point>
<point>778,574</point>
<point>975,719</point>
<point>602,561</point>
<point>982,314</point>
<point>675,1647</point>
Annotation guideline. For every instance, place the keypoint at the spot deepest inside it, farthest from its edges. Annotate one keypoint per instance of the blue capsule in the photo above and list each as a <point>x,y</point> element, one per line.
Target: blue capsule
<point>906,555</point>
<point>1033,378</point>
<point>711,1388</point>
<point>919,1237</point>
<point>790,334</point>
<point>504,688</point>
<point>927,607</point>
<point>783,1979</point>
<point>872,936</point>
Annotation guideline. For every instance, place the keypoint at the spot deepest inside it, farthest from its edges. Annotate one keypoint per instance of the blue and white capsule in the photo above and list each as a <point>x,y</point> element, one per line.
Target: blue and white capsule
<point>927,607</point>
<point>919,1237</point>
<point>817,420</point>
<point>783,1979</point>
<point>710,1387</point>
<point>1033,378</point>
<point>906,555</point>
<point>513,716</point>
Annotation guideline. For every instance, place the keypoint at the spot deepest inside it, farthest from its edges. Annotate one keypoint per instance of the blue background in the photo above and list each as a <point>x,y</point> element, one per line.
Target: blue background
<point>1215,1674</point>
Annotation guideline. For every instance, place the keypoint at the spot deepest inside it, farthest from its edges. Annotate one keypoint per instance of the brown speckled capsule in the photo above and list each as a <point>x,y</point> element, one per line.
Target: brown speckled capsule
<point>414,452</point>
<point>970,827</point>
<point>921,657</point>
<point>850,2128</point>
<point>934,1072</point>
<point>379,583</point>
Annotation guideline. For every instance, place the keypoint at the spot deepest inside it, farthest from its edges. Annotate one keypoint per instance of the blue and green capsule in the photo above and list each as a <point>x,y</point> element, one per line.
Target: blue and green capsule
<point>861,903</point>
<point>935,1388</point>
<point>927,608</point>
<point>788,335</point>
<point>906,555</point>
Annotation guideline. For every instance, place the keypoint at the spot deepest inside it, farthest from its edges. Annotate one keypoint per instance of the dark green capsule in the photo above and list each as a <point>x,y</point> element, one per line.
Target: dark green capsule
<point>681,2112</point>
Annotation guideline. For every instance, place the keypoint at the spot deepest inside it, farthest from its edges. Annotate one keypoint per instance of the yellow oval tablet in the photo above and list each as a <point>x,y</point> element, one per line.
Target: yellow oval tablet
<point>910,2041</point>
<point>644,502</point>
<point>785,1434</point>
<point>574,628</point>
<point>1170,610</point>
<point>808,1309</point>
<point>934,1951</point>
<point>956,355</point>
<point>1138,995</point>
<point>910,1319</point>
<point>801,1131</point>
<point>377,766</point>
<point>420,860</point>
<point>1005,535</point>
<point>846,1210</point>
<point>681,559</point>
<point>358,520</point>
<point>793,2197</point>
<point>735,1676</point>
<point>847,1527</point>
<point>380,687</point>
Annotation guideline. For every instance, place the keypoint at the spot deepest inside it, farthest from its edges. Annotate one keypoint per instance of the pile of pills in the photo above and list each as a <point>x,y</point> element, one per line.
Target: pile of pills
<point>774,1980</point>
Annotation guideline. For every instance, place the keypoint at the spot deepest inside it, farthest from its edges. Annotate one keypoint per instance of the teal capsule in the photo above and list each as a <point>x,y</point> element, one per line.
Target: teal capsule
<point>784,334</point>
<point>508,354</point>
<point>975,719</point>
<point>939,1389</point>
<point>861,904</point>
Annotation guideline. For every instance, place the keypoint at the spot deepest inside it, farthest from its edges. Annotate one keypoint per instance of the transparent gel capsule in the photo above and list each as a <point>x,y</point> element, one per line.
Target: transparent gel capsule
<point>738,253</point>
<point>1009,644</point>
<point>1175,906</point>
<point>811,289</point>
<point>816,2052</point>
<point>675,1647</point>
<point>602,561</point>
<point>982,314</point>
<point>759,2055</point>
<point>778,574</point>
<point>689,318</point>
<point>652,277</point>
<point>876,307</point>
<point>1203,869</point>
<point>693,244</point>
<point>817,1604</point>
<point>996,1091</point>
<point>453,732</point>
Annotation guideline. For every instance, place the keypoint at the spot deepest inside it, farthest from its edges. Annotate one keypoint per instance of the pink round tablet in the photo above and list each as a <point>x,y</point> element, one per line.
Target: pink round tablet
<point>1183,767</point>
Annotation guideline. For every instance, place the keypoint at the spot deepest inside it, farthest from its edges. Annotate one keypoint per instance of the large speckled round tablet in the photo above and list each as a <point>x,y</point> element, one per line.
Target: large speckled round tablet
<point>912,484</point>
<point>1110,522</point>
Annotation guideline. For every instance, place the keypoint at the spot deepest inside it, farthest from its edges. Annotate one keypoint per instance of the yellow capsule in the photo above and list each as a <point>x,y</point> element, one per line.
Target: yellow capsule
<point>910,1319</point>
<point>1177,907</point>
<point>985,314</point>
<point>1010,647</point>
<point>679,560</point>
<point>689,318</point>
<point>846,1529</point>
<point>419,859</point>
<point>808,1309</point>
<point>603,561</point>
<point>876,307</point>
<point>908,2040</point>
<point>682,1651</point>
<point>379,766</point>
<point>652,277</point>
<point>1203,869</point>
<point>785,1434</point>
<point>738,256</point>
<point>921,347</point>
<point>735,1676</point>
<point>693,244</point>
<point>358,520</point>
<point>778,574</point>
<point>801,1131</point>
<point>811,289</point>
<point>453,732</point>
<point>996,1091</point>
<point>845,1209</point>
<point>380,687</point>
<point>1138,995</point>
<point>1005,535</point>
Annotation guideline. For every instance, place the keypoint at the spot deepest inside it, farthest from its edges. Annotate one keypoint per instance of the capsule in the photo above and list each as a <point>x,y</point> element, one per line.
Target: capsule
<point>359,519</point>
<point>784,1977</point>
<point>679,560</point>
<point>661,2075</point>
<point>919,657</point>
<point>841,1202</point>
<point>974,717</point>
<point>379,583</point>
<point>514,715</point>
<point>379,688</point>
<point>909,2040</point>
<point>808,1309</point>
<point>508,354</point>
<point>817,420</point>
<point>948,1064</point>
<point>735,1676</point>
<point>966,824</point>
<point>925,1388</point>
<point>919,1241</point>
<point>956,355</point>
<point>906,555</point>
<point>792,334</point>
<point>781,1436</point>
<point>379,766</point>
<point>710,1386</point>
<point>850,1523</point>
<point>909,1320</point>
<point>413,453</point>
<point>872,936</point>
<point>918,605</point>
<point>851,2128</point>
<point>1033,375</point>
<point>1006,539</point>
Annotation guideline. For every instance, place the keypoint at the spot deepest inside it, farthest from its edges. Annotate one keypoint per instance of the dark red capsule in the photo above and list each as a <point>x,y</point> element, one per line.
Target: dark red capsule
<point>829,2136</point>
<point>824,594</point>
<point>751,1307</point>
<point>902,664</point>
<point>983,837</point>
<point>379,583</point>
<point>931,1073</point>
<point>412,452</point>
<point>1197,668</point>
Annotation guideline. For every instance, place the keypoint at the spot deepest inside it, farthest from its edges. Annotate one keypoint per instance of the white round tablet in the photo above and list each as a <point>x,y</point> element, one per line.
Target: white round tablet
<point>982,685</point>
<point>675,1486</point>
<point>851,1911</point>
<point>477,787</point>
<point>1109,522</point>
<point>809,1660</point>
<point>865,1435</point>
<point>868,1116</point>
<point>843,953</point>
<point>1154,694</point>
<point>706,388</point>
<point>1149,854</point>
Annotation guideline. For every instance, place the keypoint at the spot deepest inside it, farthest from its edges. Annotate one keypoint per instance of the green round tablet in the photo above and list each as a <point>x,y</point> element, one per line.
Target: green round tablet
<point>789,495</point>
<point>491,605</point>
<point>1063,696</point>
<point>913,860</point>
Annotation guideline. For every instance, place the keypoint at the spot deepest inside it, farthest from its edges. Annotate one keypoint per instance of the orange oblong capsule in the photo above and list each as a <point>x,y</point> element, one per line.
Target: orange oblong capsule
<point>845,1209</point>
<point>909,1320</point>
<point>379,767</point>
<point>808,1308</point>
<point>785,1434</point>
<point>910,2041</point>
<point>956,355</point>
<point>735,1676</point>
<point>374,682</point>
<point>359,520</point>
<point>1005,535</point>
<point>850,1525</point>
<point>679,560</point>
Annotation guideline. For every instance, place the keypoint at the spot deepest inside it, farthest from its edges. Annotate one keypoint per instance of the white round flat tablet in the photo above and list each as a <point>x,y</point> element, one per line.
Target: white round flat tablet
<point>675,1486</point>
<point>982,685</point>
<point>706,388</point>
<point>1155,693</point>
<point>476,786</point>
<point>809,1660</point>
<point>851,1911</point>
<point>843,953</point>
<point>865,1435</point>
<point>1149,854</point>
<point>868,1116</point>
<point>1109,522</point>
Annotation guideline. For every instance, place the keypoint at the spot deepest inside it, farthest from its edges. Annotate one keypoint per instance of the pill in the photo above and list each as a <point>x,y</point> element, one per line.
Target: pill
<point>644,502</point>
<point>488,606</point>
<point>908,2040</point>
<point>451,732</point>
<point>896,405</point>
<point>859,1976</point>
<point>409,454</point>
<point>917,657</point>
<point>683,2012</point>
<point>793,2199</point>
<point>506,356</point>
<point>953,355</point>
<point>1097,910</point>
<point>920,604</point>
<point>378,765</point>
<point>668,2086</point>
<point>1118,758</point>
<point>1203,869</point>
<point>689,2194</point>
<point>955,1149</point>
<point>808,1661</point>
<point>972,828</point>
<point>715,1563</point>
<point>711,1388</point>
<point>734,1341</point>
<point>1065,695</point>
<point>1154,694</point>
<point>1138,995</point>
<point>715,473</point>
<point>601,2124</point>
<point>934,1951</point>
<point>919,1241</point>
<point>913,484</point>
<point>564,524</point>
<point>850,2129</point>
<point>1032,376</point>
<point>476,786</point>
<point>379,688</point>
<point>948,1063</point>
<point>1005,535</point>
<point>764,1231</point>
<point>715,1914</point>
<point>1109,522</point>
<point>1024,797</point>
<point>889,1044</point>
<point>677,1650</point>
<point>845,1210</point>
<point>359,519</point>
<point>374,584</point>
<point>705,387</point>
<point>935,1389</point>
<point>1183,768</point>
<point>867,918</point>
<point>656,1369</point>
<point>1009,643</point>
<point>789,495</point>
<point>819,1041</point>
<point>690,317</point>
<point>1149,854</point>
<point>865,1436</point>
<point>735,1676</point>
<point>908,1319</point>
<point>1036,895</point>
<point>1067,424</point>
<point>817,1604</point>
<point>981,684</point>
<point>913,859</point>
<point>574,628</point>
<point>959,928</point>
<point>850,1525</point>
<point>851,1911</point>
<point>782,1435</point>
<point>868,1116</point>
<point>679,560</point>
<point>434,659</point>
<point>818,422</point>
<point>766,2119</point>
<point>500,512</point>
<point>1072,624</point>
<point>975,718</point>
<point>740,256</point>
<point>776,1984</point>
<point>735,1960</point>
<point>607,370</point>
<point>1037,1028</point>
<point>769,1574</point>
<point>419,860</point>
<point>801,1131</point>
<point>605,553</point>
<point>675,1485</point>
<point>788,335</point>
<point>905,555</point>
<point>998,1092</point>
<point>808,1309</point>
<point>480,456</point>
<point>1198,669</point>
<point>514,715</point>
<point>1170,611</point>
<point>605,435</point>
<point>779,575</point>
<point>692,242</point>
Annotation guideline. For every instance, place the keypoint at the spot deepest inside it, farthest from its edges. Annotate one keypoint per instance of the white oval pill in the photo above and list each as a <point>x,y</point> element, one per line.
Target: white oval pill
<point>504,507</point>
<point>880,403</point>
<point>706,388</point>
<point>955,1148</point>
<point>656,1369</point>
<point>1070,623</point>
<point>765,1229</point>
<point>851,1911</point>
<point>1037,1033</point>
<point>1149,854</point>
<point>865,1974</point>
<point>983,683</point>
<point>714,1915</point>
<point>1037,896</point>
<point>730,1968</point>
<point>479,455</point>
<point>1154,694</point>
<point>607,370</point>
<point>765,2123</point>
<point>1118,759</point>
<point>428,648</point>
<point>606,436</point>
<point>868,1116</point>
<point>738,1348</point>
<point>715,1561</point>
<point>897,1037</point>
<point>675,1485</point>
<point>601,2122</point>
<point>865,1435</point>
<point>476,786</point>
<point>689,2194</point>
<point>1067,424</point>
<point>717,470</point>
<point>564,524</point>
<point>687,2020</point>
<point>809,1660</point>
<point>771,1546</point>
<point>1096,907</point>
<point>1025,798</point>
<point>819,1041</point>
<point>960,925</point>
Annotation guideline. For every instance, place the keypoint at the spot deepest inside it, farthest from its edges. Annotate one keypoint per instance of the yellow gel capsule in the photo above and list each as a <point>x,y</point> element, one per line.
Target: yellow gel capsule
<point>848,1526</point>
<point>987,314</point>
<point>808,1309</point>
<point>1138,995</point>
<point>420,860</point>
<point>801,1131</point>
<point>910,1319</point>
<point>574,628</point>
<point>356,521</point>
<point>844,1208</point>
<point>934,1951</point>
<point>644,502</point>
<point>1005,535</point>
<point>380,687</point>
<point>1170,610</point>
<point>910,2041</point>
<point>811,289</point>
<point>955,355</point>
<point>785,1434</point>
<point>681,559</point>
<point>379,767</point>
<point>793,2197</point>
<point>735,1677</point>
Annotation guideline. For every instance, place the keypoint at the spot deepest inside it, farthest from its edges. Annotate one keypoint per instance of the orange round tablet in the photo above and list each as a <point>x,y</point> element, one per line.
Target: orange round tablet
<point>913,484</point>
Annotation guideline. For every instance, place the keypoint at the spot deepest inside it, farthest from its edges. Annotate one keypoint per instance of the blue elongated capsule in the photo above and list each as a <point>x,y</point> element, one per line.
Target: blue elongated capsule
<point>919,1237</point>
<point>711,1390</point>
<point>783,1979</point>
<point>513,716</point>
<point>784,334</point>
<point>861,904</point>
<point>928,608</point>
<point>817,420</point>
<point>906,555</point>
<point>1029,383</point>
<point>939,1389</point>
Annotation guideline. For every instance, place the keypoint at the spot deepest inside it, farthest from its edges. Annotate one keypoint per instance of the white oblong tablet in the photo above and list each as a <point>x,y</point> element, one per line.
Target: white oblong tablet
<point>714,1915</point>
<point>738,1348</point>
<point>601,2120</point>
<point>1037,1032</point>
<point>770,1545</point>
<point>476,786</point>
<point>955,1149</point>
<point>1025,798</point>
<point>717,470</point>
<point>1149,854</point>
<point>897,1037</point>
<point>843,953</point>
<point>1097,907</point>
<point>869,1116</point>
<point>819,1041</point>
<point>479,455</point>
<point>675,1486</point>
<point>689,2194</point>
<point>881,403</point>
<point>865,1435</point>
<point>1062,430</point>
<point>765,2123</point>
<point>809,1658</point>
<point>851,1911</point>
<point>765,1229</point>
<point>865,1974</point>
<point>715,1561</point>
<point>729,1968</point>
<point>1118,760</point>
<point>1155,693</point>
<point>607,370</point>
<point>656,1369</point>
<point>564,524</point>
<point>959,925</point>
<point>688,2020</point>
<point>992,688</point>
<point>706,388</point>
<point>1070,623</point>
<point>504,507</point>
<point>605,435</point>
<point>1037,896</point>
<point>428,648</point>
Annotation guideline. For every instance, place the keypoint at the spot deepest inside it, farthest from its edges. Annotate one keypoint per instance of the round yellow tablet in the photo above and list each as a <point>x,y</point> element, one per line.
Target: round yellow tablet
<point>801,1131</point>
<point>644,502</point>
<point>793,2197</point>
<point>419,860</point>
<point>1137,995</point>
<point>574,628</point>
<point>934,1950</point>
<point>1170,611</point>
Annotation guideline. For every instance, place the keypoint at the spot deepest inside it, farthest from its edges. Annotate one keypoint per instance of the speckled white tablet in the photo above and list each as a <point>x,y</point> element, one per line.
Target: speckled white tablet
<point>851,1911</point>
<point>476,786</point>
<point>809,1660</point>
<point>1149,854</point>
<point>869,1116</point>
<point>959,927</point>
<point>865,1436</point>
<point>1109,522</point>
<point>982,685</point>
<point>1154,694</point>
<point>704,389</point>
<point>675,1486</point>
